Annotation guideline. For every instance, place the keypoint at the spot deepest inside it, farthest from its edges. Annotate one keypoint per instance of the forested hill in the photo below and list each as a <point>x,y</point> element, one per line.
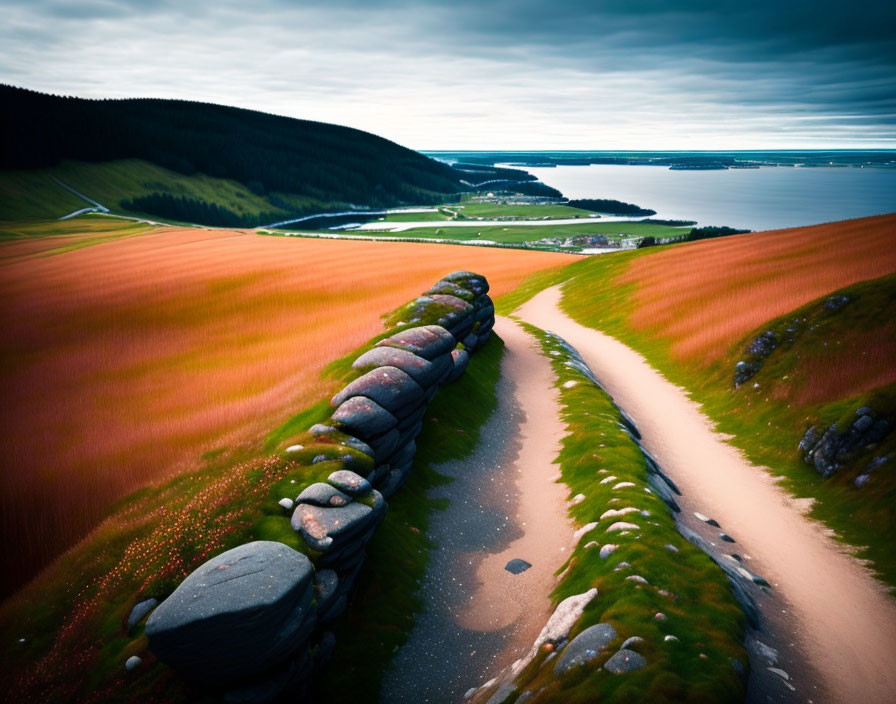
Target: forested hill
<point>294,166</point>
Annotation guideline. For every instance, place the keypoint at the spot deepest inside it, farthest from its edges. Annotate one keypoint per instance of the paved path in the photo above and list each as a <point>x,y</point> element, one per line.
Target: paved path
<point>505,503</point>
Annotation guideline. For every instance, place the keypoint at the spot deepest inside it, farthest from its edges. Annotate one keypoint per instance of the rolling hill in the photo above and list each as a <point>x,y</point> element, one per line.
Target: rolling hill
<point>204,163</point>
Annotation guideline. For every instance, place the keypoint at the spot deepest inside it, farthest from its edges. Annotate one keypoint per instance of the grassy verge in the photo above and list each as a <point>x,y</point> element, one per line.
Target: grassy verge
<point>381,615</point>
<point>768,421</point>
<point>683,584</point>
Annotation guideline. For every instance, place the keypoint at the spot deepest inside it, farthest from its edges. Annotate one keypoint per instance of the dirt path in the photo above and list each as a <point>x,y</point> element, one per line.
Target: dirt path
<point>843,621</point>
<point>505,504</point>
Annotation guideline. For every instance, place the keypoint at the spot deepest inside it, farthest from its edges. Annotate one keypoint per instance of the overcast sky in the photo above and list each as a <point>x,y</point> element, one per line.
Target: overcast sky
<point>475,74</point>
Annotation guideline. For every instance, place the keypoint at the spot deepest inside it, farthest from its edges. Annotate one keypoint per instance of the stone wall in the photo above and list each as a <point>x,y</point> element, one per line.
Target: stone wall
<point>252,623</point>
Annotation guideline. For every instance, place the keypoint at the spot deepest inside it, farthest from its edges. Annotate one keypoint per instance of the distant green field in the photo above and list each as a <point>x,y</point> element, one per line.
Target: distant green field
<point>492,210</point>
<point>516,234</point>
<point>33,194</point>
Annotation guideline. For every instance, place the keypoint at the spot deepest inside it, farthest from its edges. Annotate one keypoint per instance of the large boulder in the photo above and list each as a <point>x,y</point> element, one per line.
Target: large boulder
<point>468,280</point>
<point>389,387</point>
<point>238,614</point>
<point>427,341</point>
<point>363,418</point>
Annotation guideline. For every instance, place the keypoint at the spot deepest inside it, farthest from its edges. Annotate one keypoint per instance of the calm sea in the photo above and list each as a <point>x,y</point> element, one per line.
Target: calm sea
<point>758,199</point>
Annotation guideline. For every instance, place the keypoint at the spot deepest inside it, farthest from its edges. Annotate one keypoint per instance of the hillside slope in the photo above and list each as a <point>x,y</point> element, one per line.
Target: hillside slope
<point>293,165</point>
<point>776,333</point>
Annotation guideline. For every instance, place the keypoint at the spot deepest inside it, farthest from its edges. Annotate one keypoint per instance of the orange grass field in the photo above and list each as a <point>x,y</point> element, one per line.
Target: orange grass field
<point>705,296</point>
<point>124,361</point>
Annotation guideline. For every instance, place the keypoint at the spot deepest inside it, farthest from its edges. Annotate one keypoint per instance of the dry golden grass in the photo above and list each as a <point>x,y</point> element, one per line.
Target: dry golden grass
<point>705,296</point>
<point>122,362</point>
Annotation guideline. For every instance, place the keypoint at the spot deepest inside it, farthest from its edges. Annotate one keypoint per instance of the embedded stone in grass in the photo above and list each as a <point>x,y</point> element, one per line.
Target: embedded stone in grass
<point>670,547</point>
<point>670,639</point>
<point>141,608</point>
<point>636,578</point>
<point>349,483</point>
<point>577,536</point>
<point>608,550</point>
<point>624,485</point>
<point>622,525</point>
<point>320,494</point>
<point>585,647</point>
<point>630,642</point>
<point>569,384</point>
<point>577,499</point>
<point>625,661</point>
<point>517,566</point>
<point>618,512</point>
<point>389,387</point>
<point>132,662</point>
<point>592,544</point>
<point>238,614</point>
<point>427,341</point>
<point>607,480</point>
<point>294,448</point>
<point>286,503</point>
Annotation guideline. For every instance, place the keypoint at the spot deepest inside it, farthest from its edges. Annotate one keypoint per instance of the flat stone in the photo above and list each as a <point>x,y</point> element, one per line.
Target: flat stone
<point>350,483</point>
<point>238,614</point>
<point>625,661</point>
<point>624,485</point>
<point>517,566</point>
<point>320,494</point>
<point>622,525</point>
<point>618,512</point>
<point>428,341</point>
<point>294,448</point>
<point>363,417</point>
<point>558,626</point>
<point>424,372</point>
<point>636,578</point>
<point>607,480</point>
<point>390,387</point>
<point>320,527</point>
<point>141,608</point>
<point>585,647</point>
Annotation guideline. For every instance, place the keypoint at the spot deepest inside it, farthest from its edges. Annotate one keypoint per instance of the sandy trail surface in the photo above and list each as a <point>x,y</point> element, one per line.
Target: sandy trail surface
<point>843,621</point>
<point>505,503</point>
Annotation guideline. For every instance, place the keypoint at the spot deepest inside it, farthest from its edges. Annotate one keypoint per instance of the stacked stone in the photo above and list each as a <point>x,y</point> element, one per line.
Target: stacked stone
<point>253,621</point>
<point>337,518</point>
